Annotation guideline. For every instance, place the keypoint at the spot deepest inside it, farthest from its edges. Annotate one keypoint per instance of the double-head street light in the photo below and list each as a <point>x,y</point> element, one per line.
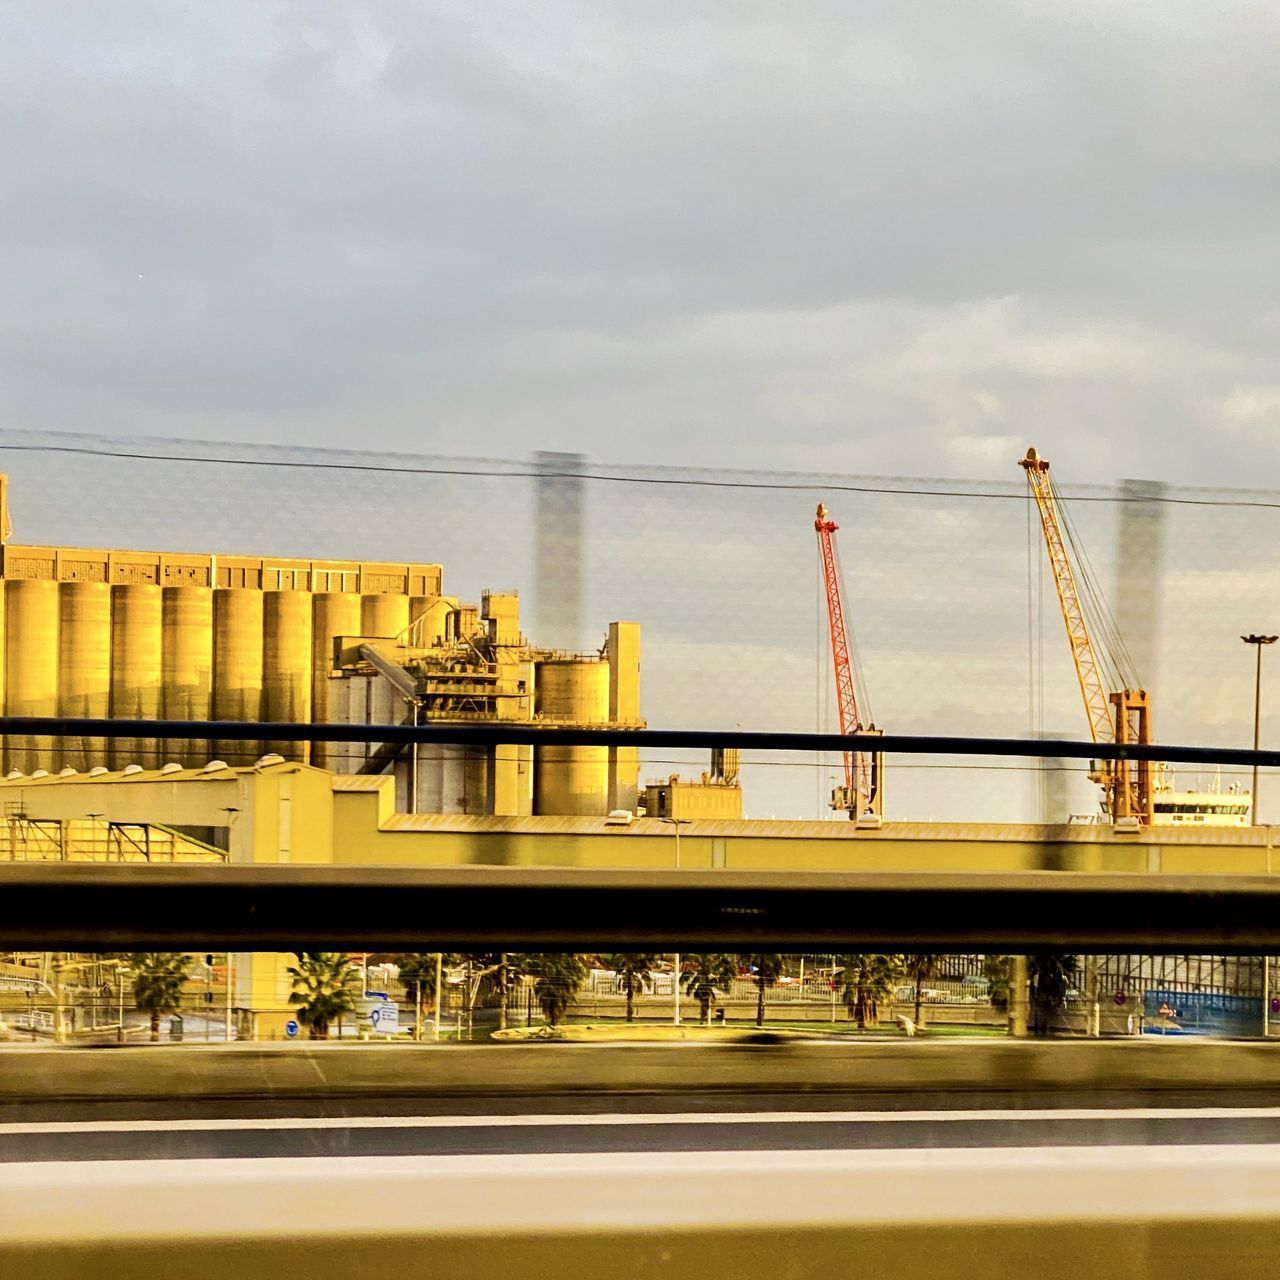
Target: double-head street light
<point>1257,641</point>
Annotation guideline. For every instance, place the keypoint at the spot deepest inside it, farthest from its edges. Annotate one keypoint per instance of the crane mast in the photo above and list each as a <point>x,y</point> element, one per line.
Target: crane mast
<point>1121,716</point>
<point>1088,672</point>
<point>860,794</point>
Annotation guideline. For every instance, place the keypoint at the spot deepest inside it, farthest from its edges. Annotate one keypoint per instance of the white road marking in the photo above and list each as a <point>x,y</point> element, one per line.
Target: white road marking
<point>424,1197</point>
<point>646,1118</point>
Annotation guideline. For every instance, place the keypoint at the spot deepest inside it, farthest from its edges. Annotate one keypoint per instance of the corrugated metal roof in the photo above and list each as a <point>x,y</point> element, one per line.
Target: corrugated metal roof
<point>773,829</point>
<point>154,775</point>
<point>361,781</point>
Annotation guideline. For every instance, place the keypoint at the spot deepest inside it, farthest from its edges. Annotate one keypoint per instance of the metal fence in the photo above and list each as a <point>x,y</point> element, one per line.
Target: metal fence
<point>956,627</point>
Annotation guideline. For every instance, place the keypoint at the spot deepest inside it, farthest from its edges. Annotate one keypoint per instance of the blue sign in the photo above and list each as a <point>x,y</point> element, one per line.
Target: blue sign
<point>1201,1013</point>
<point>385,1019</point>
<point>291,1028</point>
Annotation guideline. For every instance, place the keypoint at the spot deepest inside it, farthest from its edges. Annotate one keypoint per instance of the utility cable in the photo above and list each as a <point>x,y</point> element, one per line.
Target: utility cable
<point>521,471</point>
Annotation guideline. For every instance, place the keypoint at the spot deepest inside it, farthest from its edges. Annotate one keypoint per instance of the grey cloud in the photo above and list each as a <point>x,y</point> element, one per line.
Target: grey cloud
<point>667,230</point>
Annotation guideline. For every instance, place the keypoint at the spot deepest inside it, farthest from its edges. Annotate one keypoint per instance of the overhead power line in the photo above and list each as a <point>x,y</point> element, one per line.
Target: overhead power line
<point>517,733</point>
<point>911,488</point>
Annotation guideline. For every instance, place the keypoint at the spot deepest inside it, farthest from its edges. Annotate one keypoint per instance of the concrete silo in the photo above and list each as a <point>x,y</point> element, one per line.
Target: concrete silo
<point>571,781</point>
<point>84,665</point>
<point>136,669</point>
<point>385,614</point>
<point>237,667</point>
<point>187,667</point>
<point>31,667</point>
<point>334,613</point>
<point>286,664</point>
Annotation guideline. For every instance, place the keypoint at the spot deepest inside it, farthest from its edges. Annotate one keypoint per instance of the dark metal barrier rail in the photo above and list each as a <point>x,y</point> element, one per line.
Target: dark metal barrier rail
<point>525,734</point>
<point>85,907</point>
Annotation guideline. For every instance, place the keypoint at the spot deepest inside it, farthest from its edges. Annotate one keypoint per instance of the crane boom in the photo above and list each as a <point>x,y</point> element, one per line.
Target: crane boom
<point>861,771</point>
<point>1127,784</point>
<point>1096,704</point>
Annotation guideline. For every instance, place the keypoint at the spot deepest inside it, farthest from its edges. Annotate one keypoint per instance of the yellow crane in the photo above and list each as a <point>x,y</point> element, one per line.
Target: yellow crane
<point>1121,714</point>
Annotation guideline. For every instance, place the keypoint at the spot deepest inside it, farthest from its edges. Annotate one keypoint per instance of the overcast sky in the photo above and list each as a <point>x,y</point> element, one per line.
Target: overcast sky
<point>902,238</point>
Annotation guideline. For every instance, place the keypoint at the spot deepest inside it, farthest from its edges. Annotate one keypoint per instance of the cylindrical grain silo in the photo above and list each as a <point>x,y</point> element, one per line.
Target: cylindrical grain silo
<point>187,667</point>
<point>422,627</point>
<point>286,664</point>
<point>84,665</point>
<point>571,781</point>
<point>384,615</point>
<point>451,779</point>
<point>136,671</point>
<point>334,613</point>
<point>237,667</point>
<point>31,666</point>
<point>433,620</point>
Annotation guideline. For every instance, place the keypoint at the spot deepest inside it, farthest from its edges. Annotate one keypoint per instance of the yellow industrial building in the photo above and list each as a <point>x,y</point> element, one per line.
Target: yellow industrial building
<point>282,811</point>
<point>160,635</point>
<point>154,635</point>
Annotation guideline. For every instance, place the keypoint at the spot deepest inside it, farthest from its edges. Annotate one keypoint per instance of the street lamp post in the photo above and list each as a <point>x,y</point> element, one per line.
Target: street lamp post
<point>677,823</point>
<point>435,1035</point>
<point>229,983</point>
<point>1257,641</point>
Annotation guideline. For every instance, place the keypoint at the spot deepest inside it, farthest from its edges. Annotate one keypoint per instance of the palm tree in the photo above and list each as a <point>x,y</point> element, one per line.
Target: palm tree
<point>1051,974</point>
<point>557,978</point>
<point>996,970</point>
<point>159,977</point>
<point>868,981</point>
<point>767,969</point>
<point>920,969</point>
<point>633,969</point>
<point>325,986</point>
<point>706,975</point>
<point>479,966</point>
<point>512,969</point>
<point>418,973</point>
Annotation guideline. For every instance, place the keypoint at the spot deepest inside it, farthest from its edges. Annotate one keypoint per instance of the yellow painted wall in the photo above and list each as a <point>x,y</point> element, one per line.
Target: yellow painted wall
<point>280,813</point>
<point>294,813</point>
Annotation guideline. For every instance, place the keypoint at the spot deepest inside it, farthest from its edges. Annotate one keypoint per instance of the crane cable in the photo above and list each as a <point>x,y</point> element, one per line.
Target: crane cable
<point>863,698</point>
<point>1120,670</point>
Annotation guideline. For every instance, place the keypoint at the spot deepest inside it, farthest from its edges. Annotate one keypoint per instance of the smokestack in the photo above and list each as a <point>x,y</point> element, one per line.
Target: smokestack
<point>559,503</point>
<point>1141,556</point>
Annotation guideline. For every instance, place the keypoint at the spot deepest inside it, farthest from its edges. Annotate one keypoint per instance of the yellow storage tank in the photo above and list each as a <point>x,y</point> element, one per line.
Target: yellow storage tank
<point>384,615</point>
<point>571,781</point>
<point>434,621</point>
<point>237,667</point>
<point>286,664</point>
<point>421,611</point>
<point>334,613</point>
<point>187,667</point>
<point>84,666</point>
<point>31,667</point>
<point>136,669</point>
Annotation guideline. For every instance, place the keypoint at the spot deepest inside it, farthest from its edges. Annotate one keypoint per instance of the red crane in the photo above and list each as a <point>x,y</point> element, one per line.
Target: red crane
<point>860,794</point>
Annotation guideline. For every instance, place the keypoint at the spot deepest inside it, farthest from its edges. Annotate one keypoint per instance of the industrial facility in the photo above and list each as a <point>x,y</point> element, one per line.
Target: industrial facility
<point>162,635</point>
<point>101,633</point>
<point>279,811</point>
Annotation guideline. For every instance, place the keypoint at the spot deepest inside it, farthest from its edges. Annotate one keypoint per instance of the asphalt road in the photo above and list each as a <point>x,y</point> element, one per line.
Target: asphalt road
<point>907,1186</point>
<point>538,1130</point>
